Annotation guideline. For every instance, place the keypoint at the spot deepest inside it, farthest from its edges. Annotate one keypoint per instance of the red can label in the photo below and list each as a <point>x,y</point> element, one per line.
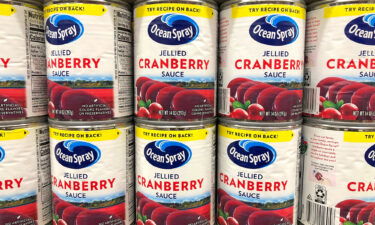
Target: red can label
<point>88,61</point>
<point>340,50</point>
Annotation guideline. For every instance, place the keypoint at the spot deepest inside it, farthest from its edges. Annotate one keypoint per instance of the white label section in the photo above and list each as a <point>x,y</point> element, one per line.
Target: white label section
<point>99,54</point>
<point>249,50</point>
<point>255,177</point>
<point>103,180</point>
<point>22,58</point>
<point>193,181</point>
<point>337,179</point>
<point>195,60</point>
<point>28,172</point>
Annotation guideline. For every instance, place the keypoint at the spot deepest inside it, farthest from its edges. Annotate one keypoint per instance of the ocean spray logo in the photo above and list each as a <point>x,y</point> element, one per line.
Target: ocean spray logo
<point>167,154</point>
<point>274,30</point>
<point>173,29</point>
<point>77,154</point>
<point>370,156</point>
<point>63,29</point>
<point>2,154</point>
<point>362,30</point>
<point>251,154</point>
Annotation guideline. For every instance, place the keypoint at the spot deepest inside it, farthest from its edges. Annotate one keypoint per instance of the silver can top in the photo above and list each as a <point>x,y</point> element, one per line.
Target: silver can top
<point>230,3</point>
<point>211,3</point>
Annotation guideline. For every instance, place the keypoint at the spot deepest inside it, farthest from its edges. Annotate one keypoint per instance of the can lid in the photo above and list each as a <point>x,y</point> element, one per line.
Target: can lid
<point>261,125</point>
<point>211,3</point>
<point>339,125</point>
<point>22,123</point>
<point>38,3</point>
<point>226,4</point>
<point>120,2</point>
<point>315,4</point>
<point>175,124</point>
<point>91,124</point>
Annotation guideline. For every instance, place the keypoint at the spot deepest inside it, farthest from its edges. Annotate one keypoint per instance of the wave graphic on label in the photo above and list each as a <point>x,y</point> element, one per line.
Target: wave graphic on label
<point>166,154</point>
<point>2,154</point>
<point>77,154</point>
<point>370,156</point>
<point>275,29</point>
<point>251,154</point>
<point>362,29</point>
<point>173,29</point>
<point>62,29</point>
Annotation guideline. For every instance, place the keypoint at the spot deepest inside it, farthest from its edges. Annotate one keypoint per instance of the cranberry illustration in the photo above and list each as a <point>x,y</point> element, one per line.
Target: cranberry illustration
<point>150,222</point>
<point>331,113</point>
<point>142,203</point>
<point>267,98</point>
<point>319,176</point>
<point>155,109</point>
<point>354,211</point>
<point>321,107</point>
<point>57,93</point>
<point>335,88</point>
<point>145,87</point>
<point>185,217</point>
<point>288,104</point>
<point>240,114</point>
<point>140,81</point>
<point>232,221</point>
<point>61,222</point>
<point>223,201</point>
<point>231,205</point>
<point>60,207</point>
<point>349,111</point>
<point>342,220</point>
<point>70,214</point>
<point>243,88</point>
<point>345,206</point>
<point>153,91</point>
<point>54,222</point>
<point>221,221</point>
<point>51,108</point>
<point>371,105</point>
<point>234,84</point>
<point>165,96</point>
<point>252,93</point>
<point>140,222</point>
<point>143,112</point>
<point>256,112</point>
<point>231,99</point>
<point>266,218</point>
<point>241,213</point>
<point>160,214</point>
<point>96,217</point>
<point>194,104</point>
<point>368,223</point>
<point>322,99</point>
<point>361,99</point>
<point>364,214</point>
<point>149,208</point>
<point>326,83</point>
<point>345,94</point>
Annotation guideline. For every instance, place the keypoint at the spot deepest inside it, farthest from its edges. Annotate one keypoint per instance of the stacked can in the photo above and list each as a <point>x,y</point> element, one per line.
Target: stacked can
<point>175,79</point>
<point>260,104</point>
<point>25,185</point>
<point>338,137</point>
<point>89,68</point>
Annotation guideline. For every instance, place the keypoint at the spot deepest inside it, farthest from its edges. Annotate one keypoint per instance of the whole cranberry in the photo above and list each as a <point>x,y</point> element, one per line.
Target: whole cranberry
<point>154,109</point>
<point>240,114</point>
<point>331,113</point>
<point>140,222</point>
<point>143,112</point>
<point>54,222</point>
<point>349,111</point>
<point>256,112</point>
<point>61,222</point>
<point>150,222</point>
<point>321,100</point>
<point>232,221</point>
<point>231,99</point>
<point>221,221</point>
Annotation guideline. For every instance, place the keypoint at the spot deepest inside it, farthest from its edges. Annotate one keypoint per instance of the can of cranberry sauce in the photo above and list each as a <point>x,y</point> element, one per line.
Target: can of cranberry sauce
<point>92,168</point>
<point>89,59</point>
<point>23,77</point>
<point>338,173</point>
<point>25,185</point>
<point>175,173</point>
<point>251,187</point>
<point>261,60</point>
<point>340,49</point>
<point>176,81</point>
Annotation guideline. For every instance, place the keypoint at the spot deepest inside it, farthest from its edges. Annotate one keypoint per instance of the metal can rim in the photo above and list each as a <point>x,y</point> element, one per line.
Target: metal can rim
<point>211,3</point>
<point>338,125</point>
<point>175,125</point>
<point>324,3</point>
<point>14,124</point>
<point>92,125</point>
<point>267,126</point>
<point>231,3</point>
<point>124,3</point>
<point>37,3</point>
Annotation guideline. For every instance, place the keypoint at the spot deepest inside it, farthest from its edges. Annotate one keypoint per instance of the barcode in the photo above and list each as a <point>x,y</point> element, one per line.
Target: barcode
<point>311,100</point>
<point>317,214</point>
<point>224,100</point>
